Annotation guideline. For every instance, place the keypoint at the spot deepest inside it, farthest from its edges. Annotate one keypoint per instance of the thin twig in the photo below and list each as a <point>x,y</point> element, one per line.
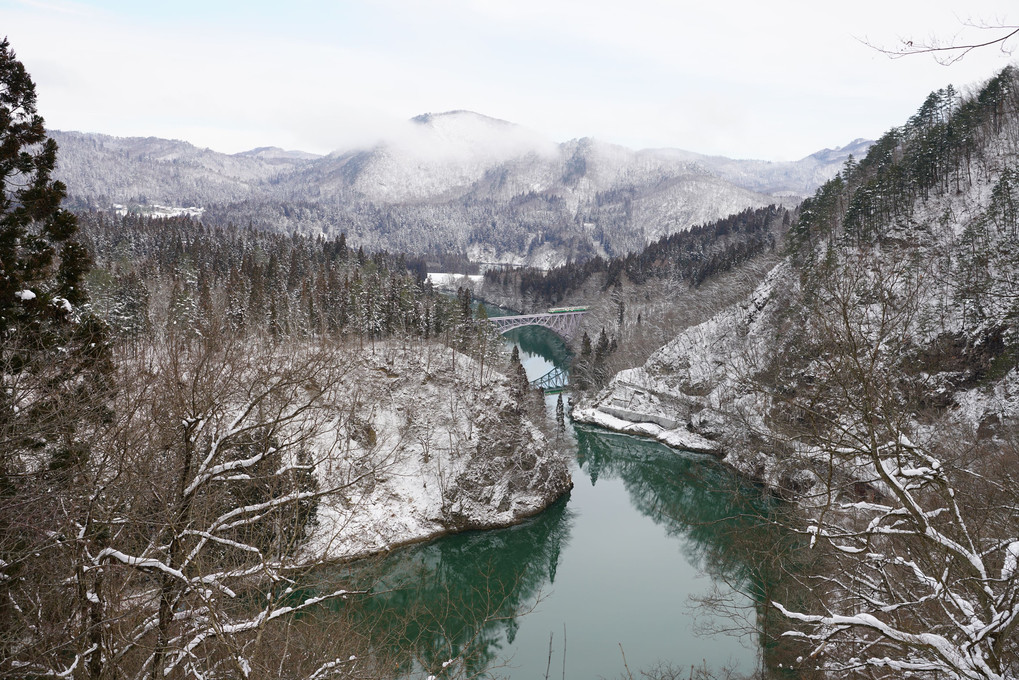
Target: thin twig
<point>564,650</point>
<point>548,666</point>
<point>628,673</point>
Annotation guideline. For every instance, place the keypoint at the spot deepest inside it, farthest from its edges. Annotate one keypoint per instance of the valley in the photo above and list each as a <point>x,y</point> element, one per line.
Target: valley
<point>256,419</point>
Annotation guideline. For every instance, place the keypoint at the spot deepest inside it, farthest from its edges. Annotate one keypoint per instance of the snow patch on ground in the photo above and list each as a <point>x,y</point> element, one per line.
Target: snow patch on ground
<point>448,281</point>
<point>156,210</point>
<point>676,437</point>
<point>683,395</point>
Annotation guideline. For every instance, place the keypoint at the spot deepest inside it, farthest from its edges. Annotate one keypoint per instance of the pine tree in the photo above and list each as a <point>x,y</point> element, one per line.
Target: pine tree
<point>53,358</point>
<point>585,346</point>
<point>41,265</point>
<point>519,384</point>
<point>55,383</point>
<point>560,414</point>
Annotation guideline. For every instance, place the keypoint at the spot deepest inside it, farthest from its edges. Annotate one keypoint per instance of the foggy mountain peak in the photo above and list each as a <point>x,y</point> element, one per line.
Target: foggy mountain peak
<point>459,115</point>
<point>466,136</point>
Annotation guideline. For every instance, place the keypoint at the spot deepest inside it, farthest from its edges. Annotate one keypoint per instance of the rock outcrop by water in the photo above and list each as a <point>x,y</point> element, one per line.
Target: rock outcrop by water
<point>689,394</point>
<point>429,446</point>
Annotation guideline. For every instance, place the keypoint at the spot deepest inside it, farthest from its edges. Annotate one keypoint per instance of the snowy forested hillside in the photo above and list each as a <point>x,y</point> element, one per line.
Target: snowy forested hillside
<point>798,178</point>
<point>229,413</point>
<point>102,170</point>
<point>456,181</point>
<point>873,377</point>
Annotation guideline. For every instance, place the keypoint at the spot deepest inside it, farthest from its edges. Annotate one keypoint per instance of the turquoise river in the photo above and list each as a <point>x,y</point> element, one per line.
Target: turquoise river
<point>608,581</point>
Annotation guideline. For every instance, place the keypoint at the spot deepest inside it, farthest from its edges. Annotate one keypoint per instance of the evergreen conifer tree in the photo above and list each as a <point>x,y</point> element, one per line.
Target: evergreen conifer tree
<point>55,382</point>
<point>41,265</point>
<point>53,358</point>
<point>560,414</point>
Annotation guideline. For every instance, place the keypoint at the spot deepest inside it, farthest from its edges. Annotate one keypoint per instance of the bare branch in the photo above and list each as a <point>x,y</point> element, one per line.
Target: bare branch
<point>949,53</point>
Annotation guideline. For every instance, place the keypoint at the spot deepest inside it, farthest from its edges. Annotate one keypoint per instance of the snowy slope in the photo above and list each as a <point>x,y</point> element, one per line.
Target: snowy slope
<point>102,170</point>
<point>781,178</point>
<point>670,397</point>
<point>947,256</point>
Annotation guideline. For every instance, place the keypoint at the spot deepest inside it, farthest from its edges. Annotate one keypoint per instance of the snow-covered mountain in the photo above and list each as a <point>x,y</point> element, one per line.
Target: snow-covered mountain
<point>456,181</point>
<point>792,178</point>
<point>101,170</point>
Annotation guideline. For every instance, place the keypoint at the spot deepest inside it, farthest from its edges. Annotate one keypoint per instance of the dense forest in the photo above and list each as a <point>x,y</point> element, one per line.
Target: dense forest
<point>691,256</point>
<point>154,274</point>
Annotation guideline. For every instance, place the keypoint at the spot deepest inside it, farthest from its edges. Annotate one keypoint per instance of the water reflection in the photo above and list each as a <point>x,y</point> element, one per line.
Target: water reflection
<point>728,527</point>
<point>460,597</point>
<point>593,565</point>
<point>538,341</point>
<point>535,341</point>
<point>467,597</point>
<point>694,497</point>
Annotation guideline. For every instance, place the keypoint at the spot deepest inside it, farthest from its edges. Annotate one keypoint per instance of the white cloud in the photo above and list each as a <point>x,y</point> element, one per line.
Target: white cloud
<point>748,79</point>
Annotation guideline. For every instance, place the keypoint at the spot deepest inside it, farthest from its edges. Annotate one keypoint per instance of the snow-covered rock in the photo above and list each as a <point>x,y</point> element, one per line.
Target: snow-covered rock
<point>426,448</point>
<point>687,392</point>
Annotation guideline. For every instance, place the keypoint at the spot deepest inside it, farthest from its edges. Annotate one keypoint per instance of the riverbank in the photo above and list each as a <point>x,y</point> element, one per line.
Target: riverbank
<point>646,530</point>
<point>690,393</point>
<point>627,420</point>
<point>618,561</point>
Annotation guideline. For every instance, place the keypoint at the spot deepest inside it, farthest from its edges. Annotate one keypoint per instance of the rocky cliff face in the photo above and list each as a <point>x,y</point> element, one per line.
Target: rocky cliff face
<point>434,447</point>
<point>692,393</point>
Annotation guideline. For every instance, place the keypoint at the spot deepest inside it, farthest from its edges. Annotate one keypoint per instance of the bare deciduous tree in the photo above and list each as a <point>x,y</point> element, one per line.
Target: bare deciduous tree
<point>180,549</point>
<point>917,523</point>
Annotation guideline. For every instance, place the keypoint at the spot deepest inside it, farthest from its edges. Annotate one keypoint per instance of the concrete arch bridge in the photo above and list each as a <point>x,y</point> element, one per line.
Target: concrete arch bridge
<point>562,320</point>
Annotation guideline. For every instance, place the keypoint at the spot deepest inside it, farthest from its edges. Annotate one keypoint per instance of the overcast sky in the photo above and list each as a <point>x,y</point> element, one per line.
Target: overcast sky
<point>743,78</point>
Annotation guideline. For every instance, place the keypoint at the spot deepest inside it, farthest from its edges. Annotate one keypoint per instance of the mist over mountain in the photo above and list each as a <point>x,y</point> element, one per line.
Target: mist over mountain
<point>457,181</point>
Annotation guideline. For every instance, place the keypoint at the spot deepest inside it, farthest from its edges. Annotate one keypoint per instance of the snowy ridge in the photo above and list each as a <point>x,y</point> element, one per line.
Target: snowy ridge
<point>781,178</point>
<point>456,181</point>
<point>104,170</point>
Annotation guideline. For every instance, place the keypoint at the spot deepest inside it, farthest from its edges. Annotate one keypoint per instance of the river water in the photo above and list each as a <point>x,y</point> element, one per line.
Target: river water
<point>606,580</point>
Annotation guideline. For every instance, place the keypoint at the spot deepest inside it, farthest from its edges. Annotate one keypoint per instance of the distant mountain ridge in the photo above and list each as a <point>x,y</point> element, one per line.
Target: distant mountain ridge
<point>457,181</point>
<point>275,152</point>
<point>780,178</point>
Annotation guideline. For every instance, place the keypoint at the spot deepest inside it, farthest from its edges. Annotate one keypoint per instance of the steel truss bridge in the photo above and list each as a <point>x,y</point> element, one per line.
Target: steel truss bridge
<point>554,381</point>
<point>563,323</point>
